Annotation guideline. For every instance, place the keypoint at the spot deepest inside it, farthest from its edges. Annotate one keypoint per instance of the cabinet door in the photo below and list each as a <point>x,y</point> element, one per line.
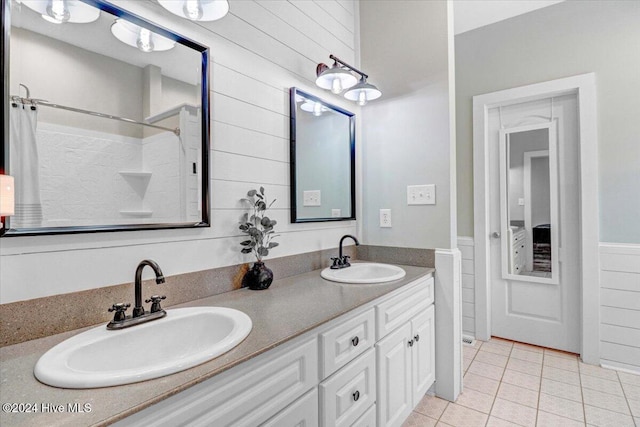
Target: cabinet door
<point>301,413</point>
<point>393,356</point>
<point>422,354</point>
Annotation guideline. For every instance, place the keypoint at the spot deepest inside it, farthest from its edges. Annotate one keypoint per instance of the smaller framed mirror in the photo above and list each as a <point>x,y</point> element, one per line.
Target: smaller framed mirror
<point>529,203</point>
<point>323,185</point>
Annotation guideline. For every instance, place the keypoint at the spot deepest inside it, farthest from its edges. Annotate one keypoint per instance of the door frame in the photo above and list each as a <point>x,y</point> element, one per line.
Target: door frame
<point>584,86</point>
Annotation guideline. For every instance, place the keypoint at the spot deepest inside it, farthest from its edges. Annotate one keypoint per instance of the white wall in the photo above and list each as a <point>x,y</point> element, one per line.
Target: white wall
<point>620,306</point>
<point>566,39</point>
<point>258,51</point>
<point>406,136</point>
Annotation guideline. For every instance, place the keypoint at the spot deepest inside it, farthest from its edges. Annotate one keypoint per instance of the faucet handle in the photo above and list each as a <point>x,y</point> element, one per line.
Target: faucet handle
<point>337,262</point>
<point>120,309</point>
<point>345,261</point>
<point>155,302</point>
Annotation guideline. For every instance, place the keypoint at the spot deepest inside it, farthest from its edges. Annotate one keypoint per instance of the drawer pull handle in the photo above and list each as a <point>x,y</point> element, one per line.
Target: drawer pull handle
<point>417,338</point>
<point>356,396</point>
<point>410,343</point>
<point>355,341</point>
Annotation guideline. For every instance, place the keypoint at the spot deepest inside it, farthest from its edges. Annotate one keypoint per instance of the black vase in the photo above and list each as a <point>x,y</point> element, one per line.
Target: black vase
<point>258,278</point>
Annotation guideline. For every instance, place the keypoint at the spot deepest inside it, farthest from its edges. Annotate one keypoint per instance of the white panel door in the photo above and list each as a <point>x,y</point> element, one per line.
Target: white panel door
<point>528,303</point>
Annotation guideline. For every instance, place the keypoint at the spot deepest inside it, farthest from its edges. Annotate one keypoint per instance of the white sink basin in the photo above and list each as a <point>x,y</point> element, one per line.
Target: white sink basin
<point>364,272</point>
<point>184,338</point>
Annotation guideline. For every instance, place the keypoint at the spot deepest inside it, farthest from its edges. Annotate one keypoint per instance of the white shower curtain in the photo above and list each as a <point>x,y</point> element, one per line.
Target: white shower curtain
<point>25,167</point>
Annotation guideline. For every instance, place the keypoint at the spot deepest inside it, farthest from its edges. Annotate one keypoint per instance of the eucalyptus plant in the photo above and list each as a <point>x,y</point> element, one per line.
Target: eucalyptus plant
<point>258,226</point>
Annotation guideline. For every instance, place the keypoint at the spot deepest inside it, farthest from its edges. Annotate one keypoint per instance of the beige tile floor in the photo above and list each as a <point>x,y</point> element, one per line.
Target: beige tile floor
<point>514,384</point>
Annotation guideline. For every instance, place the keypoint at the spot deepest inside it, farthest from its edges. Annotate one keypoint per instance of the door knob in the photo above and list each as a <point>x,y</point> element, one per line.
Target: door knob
<point>495,235</point>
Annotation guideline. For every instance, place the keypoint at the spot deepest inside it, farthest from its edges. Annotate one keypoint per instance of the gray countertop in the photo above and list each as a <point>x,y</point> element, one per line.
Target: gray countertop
<point>290,307</point>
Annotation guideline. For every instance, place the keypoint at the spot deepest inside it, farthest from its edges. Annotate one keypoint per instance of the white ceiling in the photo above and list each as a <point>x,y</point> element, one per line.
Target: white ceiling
<point>471,14</point>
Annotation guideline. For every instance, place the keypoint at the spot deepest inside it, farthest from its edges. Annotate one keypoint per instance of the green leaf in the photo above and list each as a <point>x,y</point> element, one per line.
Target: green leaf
<point>243,227</point>
<point>259,196</point>
<point>262,205</point>
<point>251,193</point>
<point>244,217</point>
<point>246,243</point>
<point>273,244</point>
<point>262,251</point>
<point>273,222</point>
<point>262,190</point>
<point>265,221</point>
<point>246,250</point>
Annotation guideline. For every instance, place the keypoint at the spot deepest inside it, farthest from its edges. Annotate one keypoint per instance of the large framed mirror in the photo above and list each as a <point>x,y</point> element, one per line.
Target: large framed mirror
<point>106,120</point>
<point>323,185</point>
<point>529,203</point>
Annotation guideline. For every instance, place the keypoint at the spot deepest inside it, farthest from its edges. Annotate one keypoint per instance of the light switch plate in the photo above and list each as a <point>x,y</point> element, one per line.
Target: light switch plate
<point>520,201</point>
<point>385,218</point>
<point>311,198</point>
<point>336,213</point>
<point>421,194</point>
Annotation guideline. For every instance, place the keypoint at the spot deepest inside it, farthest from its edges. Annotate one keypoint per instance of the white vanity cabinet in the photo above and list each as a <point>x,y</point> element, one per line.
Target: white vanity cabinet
<point>406,356</point>
<point>367,368</point>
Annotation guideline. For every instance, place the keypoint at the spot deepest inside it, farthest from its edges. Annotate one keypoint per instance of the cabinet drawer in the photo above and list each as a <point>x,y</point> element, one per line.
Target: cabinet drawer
<point>301,413</point>
<point>246,396</point>
<point>348,393</point>
<point>368,419</point>
<point>345,342</point>
<point>399,309</point>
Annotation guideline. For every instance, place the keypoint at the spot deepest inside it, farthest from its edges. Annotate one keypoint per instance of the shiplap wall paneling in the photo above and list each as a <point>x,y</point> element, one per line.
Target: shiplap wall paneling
<point>465,244</point>
<point>258,51</point>
<point>620,306</point>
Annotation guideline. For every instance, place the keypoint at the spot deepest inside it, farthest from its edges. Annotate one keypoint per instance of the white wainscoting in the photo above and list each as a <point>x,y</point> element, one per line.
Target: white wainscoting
<point>465,244</point>
<point>620,306</point>
<point>258,51</point>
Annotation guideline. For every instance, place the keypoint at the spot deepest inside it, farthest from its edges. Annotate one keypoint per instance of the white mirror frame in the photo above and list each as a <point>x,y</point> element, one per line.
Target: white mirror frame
<point>553,203</point>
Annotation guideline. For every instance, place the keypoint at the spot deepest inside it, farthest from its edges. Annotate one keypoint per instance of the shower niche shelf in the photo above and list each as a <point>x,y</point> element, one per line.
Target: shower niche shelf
<point>136,174</point>
<point>139,181</point>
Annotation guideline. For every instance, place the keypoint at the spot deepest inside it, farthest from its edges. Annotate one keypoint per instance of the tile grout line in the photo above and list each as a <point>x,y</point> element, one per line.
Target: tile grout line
<point>584,410</point>
<point>499,385</point>
<point>626,399</point>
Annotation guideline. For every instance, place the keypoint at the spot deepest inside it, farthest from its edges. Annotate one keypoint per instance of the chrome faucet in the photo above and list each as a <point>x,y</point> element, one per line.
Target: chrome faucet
<point>342,261</point>
<point>139,315</point>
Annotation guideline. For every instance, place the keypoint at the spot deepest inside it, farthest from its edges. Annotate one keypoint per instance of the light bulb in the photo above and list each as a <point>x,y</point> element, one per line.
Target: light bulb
<point>317,109</point>
<point>192,9</point>
<point>144,42</point>
<point>57,12</point>
<point>362,98</point>
<point>336,86</point>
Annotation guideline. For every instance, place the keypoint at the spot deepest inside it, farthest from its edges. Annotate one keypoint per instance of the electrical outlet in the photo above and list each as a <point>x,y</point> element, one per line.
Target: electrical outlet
<point>520,201</point>
<point>385,218</point>
<point>421,194</point>
<point>336,213</point>
<point>311,198</point>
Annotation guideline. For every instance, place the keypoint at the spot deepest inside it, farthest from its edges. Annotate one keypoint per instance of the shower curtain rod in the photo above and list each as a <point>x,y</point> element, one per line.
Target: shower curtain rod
<point>91,113</point>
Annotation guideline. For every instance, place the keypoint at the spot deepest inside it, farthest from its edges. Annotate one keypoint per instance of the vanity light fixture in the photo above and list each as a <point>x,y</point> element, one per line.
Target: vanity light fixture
<point>140,37</point>
<point>363,92</point>
<point>7,197</point>
<point>61,11</point>
<point>340,77</point>
<point>197,10</point>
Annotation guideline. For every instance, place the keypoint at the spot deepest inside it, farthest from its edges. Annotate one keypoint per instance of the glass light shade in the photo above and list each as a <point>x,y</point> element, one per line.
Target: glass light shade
<point>141,38</point>
<point>7,198</point>
<point>60,11</point>
<point>363,92</point>
<point>197,10</point>
<point>336,79</point>
<point>316,108</point>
